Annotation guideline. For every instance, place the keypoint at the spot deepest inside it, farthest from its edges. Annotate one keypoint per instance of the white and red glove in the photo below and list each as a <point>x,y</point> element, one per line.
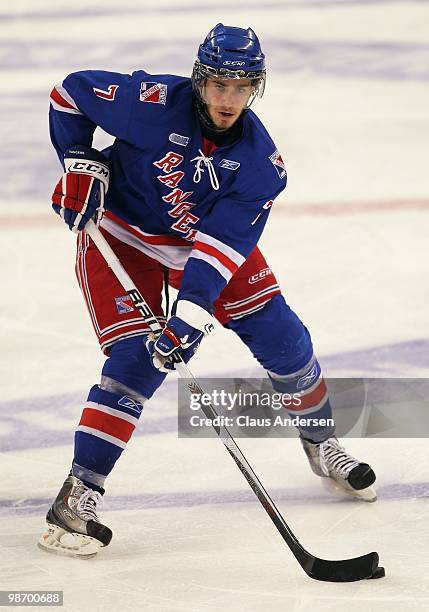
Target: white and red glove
<point>79,194</point>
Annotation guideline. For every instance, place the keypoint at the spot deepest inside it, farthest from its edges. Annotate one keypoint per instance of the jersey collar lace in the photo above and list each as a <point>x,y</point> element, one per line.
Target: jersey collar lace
<point>199,170</point>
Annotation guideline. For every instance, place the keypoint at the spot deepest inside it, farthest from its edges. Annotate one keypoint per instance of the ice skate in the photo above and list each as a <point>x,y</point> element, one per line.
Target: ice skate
<point>341,472</point>
<point>73,525</point>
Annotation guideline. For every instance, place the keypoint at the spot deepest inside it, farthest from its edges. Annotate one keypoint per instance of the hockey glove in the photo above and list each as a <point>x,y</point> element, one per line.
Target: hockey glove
<point>79,194</point>
<point>180,337</point>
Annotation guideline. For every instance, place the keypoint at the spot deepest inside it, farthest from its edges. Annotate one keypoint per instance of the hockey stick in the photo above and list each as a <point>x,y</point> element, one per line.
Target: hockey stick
<point>346,570</point>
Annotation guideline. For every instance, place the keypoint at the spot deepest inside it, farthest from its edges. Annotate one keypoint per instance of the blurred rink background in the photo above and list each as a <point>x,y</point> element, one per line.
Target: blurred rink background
<point>347,104</point>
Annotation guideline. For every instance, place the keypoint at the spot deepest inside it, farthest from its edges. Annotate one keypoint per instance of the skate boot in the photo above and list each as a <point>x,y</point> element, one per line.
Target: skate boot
<point>340,471</point>
<point>73,525</point>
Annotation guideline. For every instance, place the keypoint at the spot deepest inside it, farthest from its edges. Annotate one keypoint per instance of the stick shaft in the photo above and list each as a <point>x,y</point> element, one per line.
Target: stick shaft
<point>344,570</point>
<point>184,372</point>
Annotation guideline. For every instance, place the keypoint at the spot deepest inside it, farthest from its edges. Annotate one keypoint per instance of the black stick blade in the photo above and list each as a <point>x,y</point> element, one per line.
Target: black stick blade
<point>347,570</point>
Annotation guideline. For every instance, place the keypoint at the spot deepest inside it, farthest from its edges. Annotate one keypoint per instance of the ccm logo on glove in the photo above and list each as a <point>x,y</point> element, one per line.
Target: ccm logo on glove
<point>79,194</point>
<point>88,167</point>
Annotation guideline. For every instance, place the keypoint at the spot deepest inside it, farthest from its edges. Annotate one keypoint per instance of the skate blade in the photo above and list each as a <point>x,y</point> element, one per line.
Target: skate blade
<point>60,542</point>
<point>366,495</point>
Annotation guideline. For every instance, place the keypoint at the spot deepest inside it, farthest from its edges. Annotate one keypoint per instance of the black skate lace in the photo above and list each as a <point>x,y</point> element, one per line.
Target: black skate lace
<point>334,457</point>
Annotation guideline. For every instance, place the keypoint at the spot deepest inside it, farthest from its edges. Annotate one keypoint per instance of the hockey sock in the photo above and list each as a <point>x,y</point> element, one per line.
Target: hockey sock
<point>112,410</point>
<point>129,363</point>
<point>107,423</point>
<point>312,405</point>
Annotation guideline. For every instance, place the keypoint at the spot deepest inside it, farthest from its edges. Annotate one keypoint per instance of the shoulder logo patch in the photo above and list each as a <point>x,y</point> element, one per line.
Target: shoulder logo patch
<point>229,164</point>
<point>106,95</point>
<point>153,92</point>
<point>278,163</point>
<point>178,139</point>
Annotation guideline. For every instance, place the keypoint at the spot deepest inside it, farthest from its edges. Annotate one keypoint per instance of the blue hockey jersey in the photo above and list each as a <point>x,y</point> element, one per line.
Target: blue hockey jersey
<point>166,197</point>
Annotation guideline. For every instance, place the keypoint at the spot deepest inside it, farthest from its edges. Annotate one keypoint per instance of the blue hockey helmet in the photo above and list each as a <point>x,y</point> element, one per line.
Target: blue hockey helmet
<point>230,53</point>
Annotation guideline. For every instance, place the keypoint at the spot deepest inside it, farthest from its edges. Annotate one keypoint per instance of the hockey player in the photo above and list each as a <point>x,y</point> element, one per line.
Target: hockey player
<point>184,192</point>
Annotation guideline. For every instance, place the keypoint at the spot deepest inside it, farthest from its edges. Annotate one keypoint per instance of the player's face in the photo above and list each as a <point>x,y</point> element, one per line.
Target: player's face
<point>226,99</point>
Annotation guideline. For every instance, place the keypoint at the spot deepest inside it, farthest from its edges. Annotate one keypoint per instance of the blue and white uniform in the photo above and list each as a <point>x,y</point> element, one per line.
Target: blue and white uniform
<point>185,209</point>
<point>179,201</point>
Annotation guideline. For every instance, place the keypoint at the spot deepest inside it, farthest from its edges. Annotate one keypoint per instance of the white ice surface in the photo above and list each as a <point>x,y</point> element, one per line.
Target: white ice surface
<point>347,102</point>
